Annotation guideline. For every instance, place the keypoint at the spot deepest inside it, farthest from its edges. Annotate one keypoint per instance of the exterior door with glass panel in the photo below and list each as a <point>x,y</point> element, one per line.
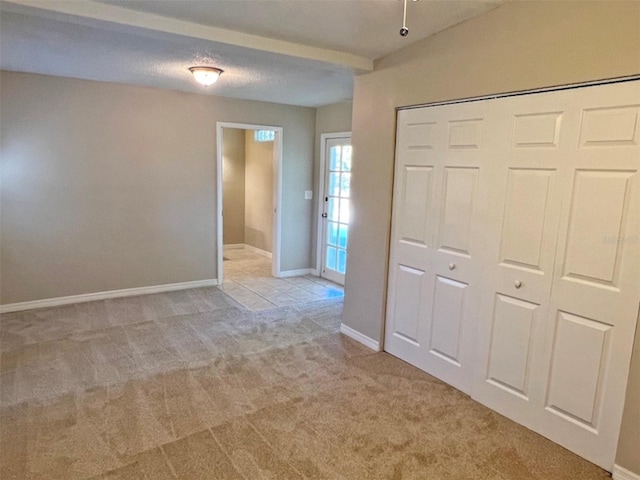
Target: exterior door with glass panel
<point>335,209</point>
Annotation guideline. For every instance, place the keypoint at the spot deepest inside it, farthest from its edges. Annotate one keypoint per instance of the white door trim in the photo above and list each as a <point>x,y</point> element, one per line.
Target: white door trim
<point>277,192</point>
<point>321,186</point>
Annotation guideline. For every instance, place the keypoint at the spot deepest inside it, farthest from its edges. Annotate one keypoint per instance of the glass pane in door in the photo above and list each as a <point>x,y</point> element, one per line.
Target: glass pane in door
<point>342,237</point>
<point>342,261</point>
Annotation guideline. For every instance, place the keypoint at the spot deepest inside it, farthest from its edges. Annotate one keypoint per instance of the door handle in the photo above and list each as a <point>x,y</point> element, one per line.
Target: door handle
<point>324,215</point>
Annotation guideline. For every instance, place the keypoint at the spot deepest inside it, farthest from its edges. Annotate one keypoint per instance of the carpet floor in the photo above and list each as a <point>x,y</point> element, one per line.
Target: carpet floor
<point>191,385</point>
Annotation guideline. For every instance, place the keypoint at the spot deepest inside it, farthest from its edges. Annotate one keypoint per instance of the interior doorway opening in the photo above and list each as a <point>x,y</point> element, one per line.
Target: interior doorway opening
<point>249,190</point>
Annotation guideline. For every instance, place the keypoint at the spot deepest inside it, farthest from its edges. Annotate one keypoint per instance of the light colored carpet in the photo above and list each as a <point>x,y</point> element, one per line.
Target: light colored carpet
<point>191,385</point>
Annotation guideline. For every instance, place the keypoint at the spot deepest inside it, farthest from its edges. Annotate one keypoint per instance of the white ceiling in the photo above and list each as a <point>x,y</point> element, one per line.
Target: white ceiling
<point>300,52</point>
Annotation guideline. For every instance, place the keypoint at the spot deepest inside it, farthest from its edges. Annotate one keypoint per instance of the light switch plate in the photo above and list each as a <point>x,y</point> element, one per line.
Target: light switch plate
<point>308,194</point>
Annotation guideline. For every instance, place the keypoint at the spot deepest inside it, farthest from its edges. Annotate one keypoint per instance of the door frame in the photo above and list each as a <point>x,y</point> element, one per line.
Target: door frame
<point>321,193</point>
<point>277,194</point>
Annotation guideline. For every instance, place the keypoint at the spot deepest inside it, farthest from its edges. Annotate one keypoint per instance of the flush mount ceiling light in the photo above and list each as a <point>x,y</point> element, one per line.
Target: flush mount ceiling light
<point>206,75</point>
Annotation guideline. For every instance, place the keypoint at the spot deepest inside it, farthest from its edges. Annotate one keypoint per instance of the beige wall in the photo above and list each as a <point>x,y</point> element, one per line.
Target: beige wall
<point>233,185</point>
<point>629,444</point>
<point>333,118</point>
<point>108,186</point>
<point>520,45</point>
<point>329,119</point>
<point>258,213</point>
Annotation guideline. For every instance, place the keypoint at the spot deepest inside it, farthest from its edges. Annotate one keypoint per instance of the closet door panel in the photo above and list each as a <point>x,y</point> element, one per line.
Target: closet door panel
<point>458,207</point>
<point>421,138</point>
<point>526,192</point>
<point>576,388</point>
<point>417,183</point>
<point>433,277</point>
<point>509,363</point>
<point>596,285</point>
<point>528,231</point>
<point>454,296</point>
<point>446,319</point>
<point>408,301</point>
<point>527,198</point>
<point>597,215</point>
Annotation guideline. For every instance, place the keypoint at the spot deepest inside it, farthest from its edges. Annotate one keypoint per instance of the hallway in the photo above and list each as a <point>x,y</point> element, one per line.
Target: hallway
<point>248,280</point>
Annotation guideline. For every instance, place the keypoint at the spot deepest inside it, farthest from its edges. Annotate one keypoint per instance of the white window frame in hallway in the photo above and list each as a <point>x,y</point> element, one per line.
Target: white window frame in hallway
<point>322,186</point>
<point>277,194</point>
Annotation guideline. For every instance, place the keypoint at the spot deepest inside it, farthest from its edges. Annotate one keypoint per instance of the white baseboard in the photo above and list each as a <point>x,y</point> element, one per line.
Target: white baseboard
<point>359,337</point>
<point>234,246</point>
<point>295,273</point>
<point>90,297</point>
<point>259,251</point>
<point>620,473</point>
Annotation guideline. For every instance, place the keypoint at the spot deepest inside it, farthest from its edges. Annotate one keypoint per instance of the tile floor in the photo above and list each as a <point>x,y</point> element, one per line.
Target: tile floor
<point>248,280</point>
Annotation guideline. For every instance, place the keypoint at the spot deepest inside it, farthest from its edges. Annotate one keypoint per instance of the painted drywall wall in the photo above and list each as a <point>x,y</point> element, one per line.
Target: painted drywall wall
<point>258,213</point>
<point>108,186</point>
<point>233,185</point>
<point>518,46</point>
<point>629,441</point>
<point>329,119</point>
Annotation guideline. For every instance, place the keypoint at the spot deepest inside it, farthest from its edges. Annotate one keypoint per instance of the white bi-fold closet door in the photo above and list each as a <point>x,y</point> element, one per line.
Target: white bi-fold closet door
<point>434,271</point>
<point>515,257</point>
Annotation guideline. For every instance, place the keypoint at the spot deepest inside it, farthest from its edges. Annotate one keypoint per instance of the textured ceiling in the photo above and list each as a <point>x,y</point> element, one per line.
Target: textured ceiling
<point>140,57</point>
<point>298,52</point>
<point>368,28</point>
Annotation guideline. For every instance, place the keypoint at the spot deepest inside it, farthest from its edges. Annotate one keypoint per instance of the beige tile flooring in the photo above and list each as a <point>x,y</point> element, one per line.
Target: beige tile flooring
<point>248,280</point>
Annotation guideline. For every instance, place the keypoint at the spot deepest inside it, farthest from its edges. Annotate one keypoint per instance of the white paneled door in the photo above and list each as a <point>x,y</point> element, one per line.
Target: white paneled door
<point>515,255</point>
<point>434,276</point>
<point>596,284</point>
<point>528,178</point>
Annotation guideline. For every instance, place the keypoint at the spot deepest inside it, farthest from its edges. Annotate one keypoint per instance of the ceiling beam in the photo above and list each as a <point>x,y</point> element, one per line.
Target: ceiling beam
<point>89,9</point>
